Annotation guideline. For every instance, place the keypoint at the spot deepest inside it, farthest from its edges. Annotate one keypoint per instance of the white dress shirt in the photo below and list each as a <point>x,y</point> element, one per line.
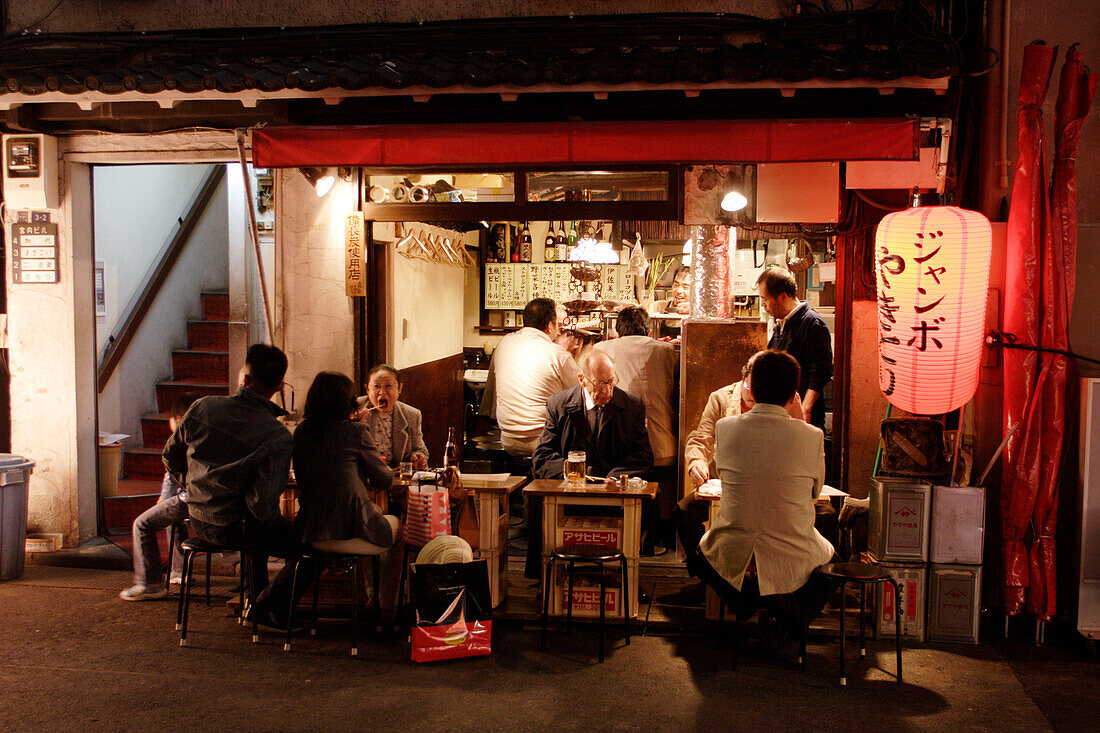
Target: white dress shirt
<point>527,368</point>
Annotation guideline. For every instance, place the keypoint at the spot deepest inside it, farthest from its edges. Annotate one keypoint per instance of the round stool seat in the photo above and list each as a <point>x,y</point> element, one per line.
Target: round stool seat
<point>587,553</point>
<point>856,572</point>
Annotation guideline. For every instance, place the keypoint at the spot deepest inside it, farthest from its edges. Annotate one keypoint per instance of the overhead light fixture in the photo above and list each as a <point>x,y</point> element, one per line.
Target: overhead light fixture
<point>734,201</point>
<point>322,179</point>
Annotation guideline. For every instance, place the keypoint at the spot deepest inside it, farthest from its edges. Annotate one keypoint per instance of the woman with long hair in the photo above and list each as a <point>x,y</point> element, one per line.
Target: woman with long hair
<point>335,461</point>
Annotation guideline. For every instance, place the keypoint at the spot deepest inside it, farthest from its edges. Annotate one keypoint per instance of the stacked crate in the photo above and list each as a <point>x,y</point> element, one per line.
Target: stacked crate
<point>897,540</point>
<point>955,573</point>
<point>930,539</point>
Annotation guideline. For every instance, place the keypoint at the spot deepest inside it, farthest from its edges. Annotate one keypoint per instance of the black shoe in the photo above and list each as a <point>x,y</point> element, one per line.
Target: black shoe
<point>693,596</point>
<point>268,620</point>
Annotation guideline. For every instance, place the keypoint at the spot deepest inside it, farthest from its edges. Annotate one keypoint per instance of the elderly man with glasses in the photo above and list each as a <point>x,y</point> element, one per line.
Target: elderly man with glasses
<point>598,418</point>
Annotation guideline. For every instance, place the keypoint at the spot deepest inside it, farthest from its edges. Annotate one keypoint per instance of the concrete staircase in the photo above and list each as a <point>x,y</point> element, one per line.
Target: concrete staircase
<point>202,368</point>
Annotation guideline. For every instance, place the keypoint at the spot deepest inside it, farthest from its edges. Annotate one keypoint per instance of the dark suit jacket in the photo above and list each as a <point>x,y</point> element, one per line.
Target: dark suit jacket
<point>806,337</point>
<point>333,469</point>
<point>620,446</point>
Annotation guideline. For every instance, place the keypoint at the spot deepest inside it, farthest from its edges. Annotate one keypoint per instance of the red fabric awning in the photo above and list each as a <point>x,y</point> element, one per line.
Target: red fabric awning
<point>499,144</point>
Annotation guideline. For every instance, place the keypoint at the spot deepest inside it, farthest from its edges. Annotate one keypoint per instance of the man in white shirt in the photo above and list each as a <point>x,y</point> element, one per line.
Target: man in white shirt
<point>527,368</point>
<point>647,368</point>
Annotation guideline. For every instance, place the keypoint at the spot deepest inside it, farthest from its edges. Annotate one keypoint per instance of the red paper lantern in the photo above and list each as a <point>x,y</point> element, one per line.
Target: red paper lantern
<point>933,274</point>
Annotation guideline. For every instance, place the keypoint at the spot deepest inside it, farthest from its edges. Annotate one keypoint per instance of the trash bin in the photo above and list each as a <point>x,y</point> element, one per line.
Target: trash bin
<point>110,461</point>
<point>15,474</point>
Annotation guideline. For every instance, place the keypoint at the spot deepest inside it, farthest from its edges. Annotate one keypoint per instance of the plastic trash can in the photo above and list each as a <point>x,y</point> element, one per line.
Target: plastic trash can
<point>15,475</point>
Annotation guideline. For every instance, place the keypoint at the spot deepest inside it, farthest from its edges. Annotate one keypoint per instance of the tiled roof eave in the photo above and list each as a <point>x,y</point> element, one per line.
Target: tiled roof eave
<point>88,99</point>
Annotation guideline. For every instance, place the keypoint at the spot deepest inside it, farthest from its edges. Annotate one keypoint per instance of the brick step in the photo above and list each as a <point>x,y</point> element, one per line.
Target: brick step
<point>119,512</point>
<point>143,463</point>
<point>155,431</point>
<point>167,392</point>
<point>209,367</point>
<point>208,335</point>
<point>215,306</point>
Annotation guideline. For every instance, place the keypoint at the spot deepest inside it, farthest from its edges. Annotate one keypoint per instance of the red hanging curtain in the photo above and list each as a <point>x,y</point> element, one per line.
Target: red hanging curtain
<point>1075,94</point>
<point>1026,226</point>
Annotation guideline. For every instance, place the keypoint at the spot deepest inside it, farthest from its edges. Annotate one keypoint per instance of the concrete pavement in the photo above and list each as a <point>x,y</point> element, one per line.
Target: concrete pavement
<point>75,658</point>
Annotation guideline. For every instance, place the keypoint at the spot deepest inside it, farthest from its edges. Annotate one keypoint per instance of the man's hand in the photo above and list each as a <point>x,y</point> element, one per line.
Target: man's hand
<point>419,461</point>
<point>808,404</point>
<point>699,474</point>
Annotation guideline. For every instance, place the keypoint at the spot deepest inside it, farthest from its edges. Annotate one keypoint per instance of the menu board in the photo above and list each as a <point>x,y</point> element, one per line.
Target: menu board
<point>509,286</point>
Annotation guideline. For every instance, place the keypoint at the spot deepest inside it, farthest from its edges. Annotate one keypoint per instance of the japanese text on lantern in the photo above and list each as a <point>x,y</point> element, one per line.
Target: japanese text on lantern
<point>927,317</point>
<point>354,242</point>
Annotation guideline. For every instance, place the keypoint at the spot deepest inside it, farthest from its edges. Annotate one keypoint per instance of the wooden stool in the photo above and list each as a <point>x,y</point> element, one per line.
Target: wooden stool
<point>864,575</point>
<point>351,561</point>
<point>587,555</point>
<point>192,547</point>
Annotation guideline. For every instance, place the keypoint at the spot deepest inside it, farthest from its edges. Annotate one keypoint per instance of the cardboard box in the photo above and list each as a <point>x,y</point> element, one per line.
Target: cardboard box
<point>586,593</point>
<point>44,542</point>
<point>954,602</point>
<point>899,519</point>
<point>597,531</point>
<point>912,579</point>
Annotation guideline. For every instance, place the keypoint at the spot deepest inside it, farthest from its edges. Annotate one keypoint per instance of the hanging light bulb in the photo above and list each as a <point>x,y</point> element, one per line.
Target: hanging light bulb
<point>734,201</point>
<point>322,179</point>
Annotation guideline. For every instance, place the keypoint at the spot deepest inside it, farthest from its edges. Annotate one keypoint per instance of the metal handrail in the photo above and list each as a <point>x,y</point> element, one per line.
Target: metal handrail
<point>117,345</point>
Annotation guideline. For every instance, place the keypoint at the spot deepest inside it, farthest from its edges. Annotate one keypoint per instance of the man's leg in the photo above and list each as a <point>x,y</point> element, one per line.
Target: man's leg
<point>262,539</point>
<point>533,567</point>
<point>688,517</point>
<point>147,566</point>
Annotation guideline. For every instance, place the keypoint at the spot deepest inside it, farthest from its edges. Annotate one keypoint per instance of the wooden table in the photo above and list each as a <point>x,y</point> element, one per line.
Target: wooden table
<point>556,494</point>
<point>714,605</point>
<point>491,495</point>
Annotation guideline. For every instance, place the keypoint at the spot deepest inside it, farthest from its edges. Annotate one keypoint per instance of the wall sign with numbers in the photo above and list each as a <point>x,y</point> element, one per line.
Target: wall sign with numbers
<point>509,286</point>
<point>34,252</point>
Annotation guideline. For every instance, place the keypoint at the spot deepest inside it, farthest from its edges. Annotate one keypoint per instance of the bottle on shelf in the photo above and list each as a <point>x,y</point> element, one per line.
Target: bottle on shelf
<point>450,451</point>
<point>549,254</point>
<point>571,240</point>
<point>525,243</point>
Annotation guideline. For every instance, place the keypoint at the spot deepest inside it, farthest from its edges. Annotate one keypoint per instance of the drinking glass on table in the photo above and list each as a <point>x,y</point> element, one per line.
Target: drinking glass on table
<point>405,470</point>
<point>576,467</point>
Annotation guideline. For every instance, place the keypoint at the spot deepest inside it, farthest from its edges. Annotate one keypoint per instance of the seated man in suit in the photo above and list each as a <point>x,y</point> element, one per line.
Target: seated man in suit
<point>597,417</point>
<point>772,469</point>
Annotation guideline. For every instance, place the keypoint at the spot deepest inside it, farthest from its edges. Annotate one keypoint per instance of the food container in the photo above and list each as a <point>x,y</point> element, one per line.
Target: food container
<point>954,602</point>
<point>958,525</point>
<point>912,584</point>
<point>899,519</point>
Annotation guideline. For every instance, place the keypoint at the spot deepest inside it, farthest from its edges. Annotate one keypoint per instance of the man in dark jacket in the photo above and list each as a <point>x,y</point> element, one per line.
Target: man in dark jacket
<point>233,457</point>
<point>597,417</point>
<point>802,333</point>
<point>605,422</point>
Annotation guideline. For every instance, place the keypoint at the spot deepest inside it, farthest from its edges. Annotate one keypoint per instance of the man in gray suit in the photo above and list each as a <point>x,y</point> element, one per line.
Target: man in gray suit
<point>772,469</point>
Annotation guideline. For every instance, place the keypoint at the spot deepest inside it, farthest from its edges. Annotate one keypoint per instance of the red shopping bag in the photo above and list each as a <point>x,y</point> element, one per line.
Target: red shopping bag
<point>428,515</point>
<point>454,614</point>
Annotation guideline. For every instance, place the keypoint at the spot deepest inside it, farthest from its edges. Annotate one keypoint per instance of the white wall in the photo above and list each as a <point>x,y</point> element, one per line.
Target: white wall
<point>313,315</point>
<point>426,305</point>
<point>51,363</point>
<point>162,193</point>
<point>137,208</point>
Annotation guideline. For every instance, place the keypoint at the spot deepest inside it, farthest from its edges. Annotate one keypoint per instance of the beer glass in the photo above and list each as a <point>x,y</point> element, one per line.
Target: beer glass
<point>575,467</point>
<point>405,470</point>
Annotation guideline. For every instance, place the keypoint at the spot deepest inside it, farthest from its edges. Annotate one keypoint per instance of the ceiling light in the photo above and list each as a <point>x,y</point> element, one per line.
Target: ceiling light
<point>322,179</point>
<point>734,201</point>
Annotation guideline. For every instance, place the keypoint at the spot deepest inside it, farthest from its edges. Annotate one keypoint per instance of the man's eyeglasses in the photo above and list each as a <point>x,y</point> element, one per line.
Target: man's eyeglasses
<point>599,385</point>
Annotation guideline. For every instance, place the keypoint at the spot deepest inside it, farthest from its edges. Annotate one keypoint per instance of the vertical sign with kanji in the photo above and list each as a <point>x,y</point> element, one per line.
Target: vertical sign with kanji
<point>355,283</point>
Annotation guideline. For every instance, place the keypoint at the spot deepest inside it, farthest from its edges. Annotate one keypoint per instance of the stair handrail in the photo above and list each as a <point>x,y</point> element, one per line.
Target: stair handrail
<point>117,344</point>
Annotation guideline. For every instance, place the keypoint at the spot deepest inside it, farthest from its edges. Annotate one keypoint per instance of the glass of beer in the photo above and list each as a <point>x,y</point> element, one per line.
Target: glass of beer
<point>575,467</point>
<point>405,470</point>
